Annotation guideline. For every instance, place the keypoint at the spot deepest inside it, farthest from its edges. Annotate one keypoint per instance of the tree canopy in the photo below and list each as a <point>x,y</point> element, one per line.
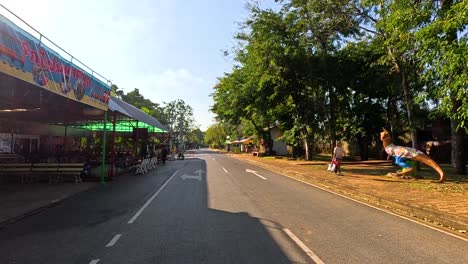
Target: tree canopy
<point>343,69</point>
<point>176,115</point>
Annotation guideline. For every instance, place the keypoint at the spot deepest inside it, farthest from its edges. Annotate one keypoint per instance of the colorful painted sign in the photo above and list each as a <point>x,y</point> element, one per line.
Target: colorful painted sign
<point>25,57</point>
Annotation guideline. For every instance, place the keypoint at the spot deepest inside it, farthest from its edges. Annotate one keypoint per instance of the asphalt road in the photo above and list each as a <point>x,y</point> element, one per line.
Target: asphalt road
<point>211,208</point>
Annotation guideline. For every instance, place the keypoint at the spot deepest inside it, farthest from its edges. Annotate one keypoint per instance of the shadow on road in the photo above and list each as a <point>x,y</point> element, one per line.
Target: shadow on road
<point>189,231</point>
<point>177,227</point>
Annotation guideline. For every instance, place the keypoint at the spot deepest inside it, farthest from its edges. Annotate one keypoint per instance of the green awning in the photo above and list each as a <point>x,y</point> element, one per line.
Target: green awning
<point>120,126</point>
<point>118,105</point>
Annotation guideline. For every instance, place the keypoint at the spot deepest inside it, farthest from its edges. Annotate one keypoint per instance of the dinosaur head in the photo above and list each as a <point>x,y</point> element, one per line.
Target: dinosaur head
<point>385,135</point>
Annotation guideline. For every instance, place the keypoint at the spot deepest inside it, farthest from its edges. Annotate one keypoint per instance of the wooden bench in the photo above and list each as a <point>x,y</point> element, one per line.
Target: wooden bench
<point>59,172</point>
<point>31,172</point>
<point>10,158</point>
<point>44,169</point>
<point>72,170</point>
<point>23,170</point>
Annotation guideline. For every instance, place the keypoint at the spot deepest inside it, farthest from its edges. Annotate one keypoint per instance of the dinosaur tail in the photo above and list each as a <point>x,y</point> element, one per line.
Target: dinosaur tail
<point>431,163</point>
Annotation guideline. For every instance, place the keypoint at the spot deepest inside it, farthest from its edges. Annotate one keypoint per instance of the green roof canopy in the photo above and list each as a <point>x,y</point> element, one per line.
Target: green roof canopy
<point>118,105</point>
<point>120,126</point>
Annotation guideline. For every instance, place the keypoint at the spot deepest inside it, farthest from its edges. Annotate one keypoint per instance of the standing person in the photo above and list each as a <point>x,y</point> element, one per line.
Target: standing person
<point>338,153</point>
<point>164,154</point>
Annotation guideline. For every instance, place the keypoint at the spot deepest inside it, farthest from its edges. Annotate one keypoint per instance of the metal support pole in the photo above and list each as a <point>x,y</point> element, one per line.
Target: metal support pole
<point>114,117</point>
<point>65,138</point>
<point>153,149</point>
<point>12,145</point>
<point>103,163</point>
<point>136,140</point>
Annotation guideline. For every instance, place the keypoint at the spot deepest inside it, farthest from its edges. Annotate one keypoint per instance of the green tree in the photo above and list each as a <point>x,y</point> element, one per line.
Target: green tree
<point>323,25</point>
<point>136,99</point>
<point>281,76</point>
<point>345,68</point>
<point>271,66</point>
<point>394,23</point>
<point>230,104</point>
<point>368,86</point>
<point>426,42</point>
<point>195,138</point>
<point>215,136</point>
<point>178,117</point>
<point>115,91</point>
<point>443,52</point>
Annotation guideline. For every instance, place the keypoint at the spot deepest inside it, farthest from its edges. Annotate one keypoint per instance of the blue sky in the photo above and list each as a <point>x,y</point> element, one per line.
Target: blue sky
<point>169,49</point>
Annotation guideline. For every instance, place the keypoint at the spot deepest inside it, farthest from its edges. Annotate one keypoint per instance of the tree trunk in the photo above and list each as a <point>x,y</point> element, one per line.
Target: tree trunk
<point>296,152</point>
<point>365,149</point>
<point>392,114</point>
<point>268,142</point>
<point>409,110</point>
<point>332,119</point>
<point>409,107</point>
<point>308,147</point>
<point>458,153</point>
<point>363,143</point>
<point>311,144</point>
<point>458,157</point>
<point>406,93</point>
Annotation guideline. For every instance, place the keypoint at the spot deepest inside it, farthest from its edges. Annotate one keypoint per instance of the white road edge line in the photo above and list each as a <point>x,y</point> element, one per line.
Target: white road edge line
<point>377,208</point>
<point>151,199</point>
<point>383,210</point>
<point>307,250</point>
<point>94,261</point>
<point>363,203</point>
<point>225,170</point>
<point>114,240</point>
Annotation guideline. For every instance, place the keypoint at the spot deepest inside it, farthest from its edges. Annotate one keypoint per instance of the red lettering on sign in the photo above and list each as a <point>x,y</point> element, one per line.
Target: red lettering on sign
<point>42,58</point>
<point>34,57</point>
<point>25,47</point>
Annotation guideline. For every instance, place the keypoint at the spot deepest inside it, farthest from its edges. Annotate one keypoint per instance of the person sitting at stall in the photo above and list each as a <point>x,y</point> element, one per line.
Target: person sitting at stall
<point>86,169</point>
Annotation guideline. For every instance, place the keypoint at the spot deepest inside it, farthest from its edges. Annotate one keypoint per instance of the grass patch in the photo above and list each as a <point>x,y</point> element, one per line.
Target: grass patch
<point>321,157</point>
<point>379,171</point>
<point>328,157</point>
<point>448,187</point>
<point>454,183</point>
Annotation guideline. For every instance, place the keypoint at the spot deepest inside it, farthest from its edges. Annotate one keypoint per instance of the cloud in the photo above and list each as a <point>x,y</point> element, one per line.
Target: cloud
<point>181,83</point>
<point>159,47</point>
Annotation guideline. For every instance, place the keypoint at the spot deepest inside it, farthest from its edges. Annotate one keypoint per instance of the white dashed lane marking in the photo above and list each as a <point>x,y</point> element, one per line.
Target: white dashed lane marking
<point>255,173</point>
<point>151,199</point>
<point>114,240</point>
